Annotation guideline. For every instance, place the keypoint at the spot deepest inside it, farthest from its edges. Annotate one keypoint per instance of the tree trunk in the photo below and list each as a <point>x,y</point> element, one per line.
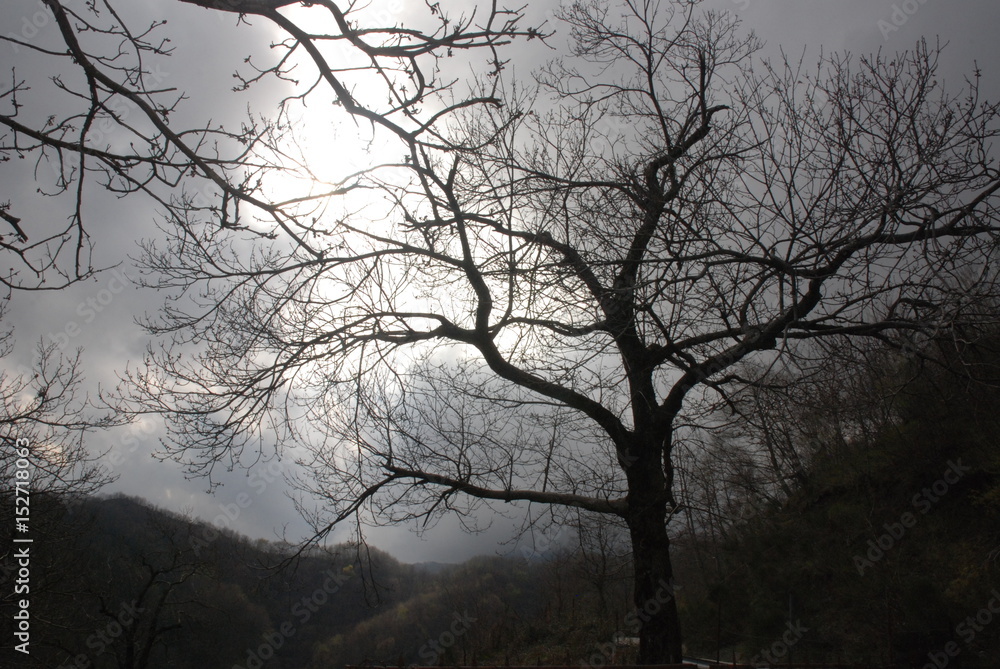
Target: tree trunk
<point>655,615</point>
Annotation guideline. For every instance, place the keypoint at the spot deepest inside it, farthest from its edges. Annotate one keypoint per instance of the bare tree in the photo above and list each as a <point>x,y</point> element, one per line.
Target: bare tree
<point>45,420</point>
<point>550,283</point>
<point>154,585</point>
<point>45,463</point>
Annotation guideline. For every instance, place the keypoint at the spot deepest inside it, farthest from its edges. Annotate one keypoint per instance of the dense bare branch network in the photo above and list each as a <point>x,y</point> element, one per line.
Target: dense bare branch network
<point>548,283</point>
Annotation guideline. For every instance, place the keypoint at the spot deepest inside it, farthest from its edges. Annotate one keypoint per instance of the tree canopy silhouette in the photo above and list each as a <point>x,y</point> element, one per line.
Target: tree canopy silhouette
<point>551,280</point>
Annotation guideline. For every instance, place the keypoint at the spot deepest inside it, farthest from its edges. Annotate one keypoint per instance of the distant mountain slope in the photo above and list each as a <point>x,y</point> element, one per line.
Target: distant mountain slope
<point>142,585</point>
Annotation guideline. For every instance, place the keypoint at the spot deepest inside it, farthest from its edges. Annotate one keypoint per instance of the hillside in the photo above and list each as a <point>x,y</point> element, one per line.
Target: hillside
<point>121,584</point>
<point>887,550</point>
<point>884,550</point>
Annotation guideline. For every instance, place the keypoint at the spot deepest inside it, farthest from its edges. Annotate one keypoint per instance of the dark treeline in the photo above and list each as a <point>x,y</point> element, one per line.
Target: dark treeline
<point>866,527</point>
<point>850,517</point>
<point>118,583</point>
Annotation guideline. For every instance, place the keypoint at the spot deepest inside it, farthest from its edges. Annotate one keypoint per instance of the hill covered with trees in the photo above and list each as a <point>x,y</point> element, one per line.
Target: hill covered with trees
<point>882,542</point>
<point>117,583</point>
<point>880,545</point>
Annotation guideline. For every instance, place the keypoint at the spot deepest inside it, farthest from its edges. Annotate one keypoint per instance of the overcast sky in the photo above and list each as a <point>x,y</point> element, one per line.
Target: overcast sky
<point>103,309</point>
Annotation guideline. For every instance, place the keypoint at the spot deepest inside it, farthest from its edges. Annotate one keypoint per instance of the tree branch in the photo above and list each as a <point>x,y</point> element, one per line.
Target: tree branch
<point>613,506</point>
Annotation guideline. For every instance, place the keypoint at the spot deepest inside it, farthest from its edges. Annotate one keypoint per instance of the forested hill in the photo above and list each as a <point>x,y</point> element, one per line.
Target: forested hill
<point>882,545</point>
<point>117,583</point>
<point>886,547</point>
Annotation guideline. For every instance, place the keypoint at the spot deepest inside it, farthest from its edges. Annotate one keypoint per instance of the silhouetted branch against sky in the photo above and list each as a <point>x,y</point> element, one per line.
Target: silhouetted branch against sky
<point>387,249</point>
